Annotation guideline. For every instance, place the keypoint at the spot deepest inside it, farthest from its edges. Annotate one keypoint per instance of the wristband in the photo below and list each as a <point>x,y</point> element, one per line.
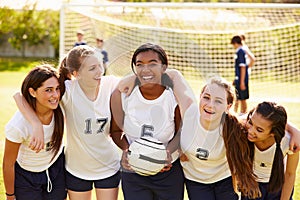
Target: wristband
<point>9,195</point>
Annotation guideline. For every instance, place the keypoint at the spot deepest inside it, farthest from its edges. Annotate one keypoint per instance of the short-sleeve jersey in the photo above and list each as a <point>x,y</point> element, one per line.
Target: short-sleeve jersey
<point>19,130</point>
<point>240,61</point>
<point>263,160</point>
<point>205,150</point>
<point>153,118</point>
<point>246,49</point>
<point>90,152</point>
<point>105,56</point>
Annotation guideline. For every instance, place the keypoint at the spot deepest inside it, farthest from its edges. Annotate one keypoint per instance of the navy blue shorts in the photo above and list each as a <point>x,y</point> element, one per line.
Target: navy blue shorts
<point>266,195</point>
<point>221,190</point>
<point>166,185</point>
<point>241,94</point>
<point>80,185</point>
<point>33,185</point>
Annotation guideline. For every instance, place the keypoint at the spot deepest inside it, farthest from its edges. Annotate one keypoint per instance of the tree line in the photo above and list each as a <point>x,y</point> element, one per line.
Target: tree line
<point>29,27</point>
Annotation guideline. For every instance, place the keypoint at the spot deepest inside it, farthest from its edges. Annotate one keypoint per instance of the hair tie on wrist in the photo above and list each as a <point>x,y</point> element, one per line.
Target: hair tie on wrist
<point>9,194</point>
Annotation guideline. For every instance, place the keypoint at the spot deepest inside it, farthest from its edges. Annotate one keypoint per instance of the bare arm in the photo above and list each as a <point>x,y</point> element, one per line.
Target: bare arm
<point>182,91</point>
<point>295,137</point>
<point>117,121</point>
<point>116,127</point>
<point>126,84</point>
<point>175,142</point>
<point>242,78</point>
<point>289,176</point>
<point>37,140</point>
<point>10,155</point>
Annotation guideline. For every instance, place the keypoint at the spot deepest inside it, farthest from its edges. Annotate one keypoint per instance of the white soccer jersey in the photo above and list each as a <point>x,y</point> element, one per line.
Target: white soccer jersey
<point>154,118</point>
<point>247,51</point>
<point>90,152</point>
<point>205,150</point>
<point>19,130</point>
<point>263,160</point>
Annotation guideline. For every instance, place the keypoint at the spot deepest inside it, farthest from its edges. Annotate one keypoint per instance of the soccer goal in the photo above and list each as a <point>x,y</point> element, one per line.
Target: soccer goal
<point>197,38</point>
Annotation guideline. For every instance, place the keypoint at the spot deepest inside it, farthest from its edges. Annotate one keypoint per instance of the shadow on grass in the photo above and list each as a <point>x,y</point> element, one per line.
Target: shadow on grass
<point>20,64</point>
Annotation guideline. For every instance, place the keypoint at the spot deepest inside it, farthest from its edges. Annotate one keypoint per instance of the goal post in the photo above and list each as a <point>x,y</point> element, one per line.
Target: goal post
<point>197,38</point>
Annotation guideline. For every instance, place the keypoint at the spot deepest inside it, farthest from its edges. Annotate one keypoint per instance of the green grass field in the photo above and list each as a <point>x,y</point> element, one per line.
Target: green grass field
<point>10,82</point>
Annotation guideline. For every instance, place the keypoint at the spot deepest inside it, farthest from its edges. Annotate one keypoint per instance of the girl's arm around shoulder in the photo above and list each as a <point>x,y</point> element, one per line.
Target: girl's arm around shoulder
<point>295,137</point>
<point>182,91</point>
<point>289,176</point>
<point>126,84</point>
<point>37,140</point>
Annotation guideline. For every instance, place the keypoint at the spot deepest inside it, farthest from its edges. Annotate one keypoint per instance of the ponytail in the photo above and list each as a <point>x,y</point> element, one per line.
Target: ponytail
<point>239,156</point>
<point>64,74</point>
<point>277,174</point>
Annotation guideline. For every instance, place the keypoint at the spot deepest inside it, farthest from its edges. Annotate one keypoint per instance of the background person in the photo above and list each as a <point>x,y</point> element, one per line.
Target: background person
<point>241,81</point>
<point>80,38</point>
<point>99,48</point>
<point>250,58</point>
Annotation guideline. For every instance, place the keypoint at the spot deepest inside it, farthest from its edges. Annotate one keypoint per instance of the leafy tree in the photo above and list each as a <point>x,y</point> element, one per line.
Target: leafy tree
<point>50,19</point>
<point>27,30</point>
<point>6,20</point>
<point>32,27</point>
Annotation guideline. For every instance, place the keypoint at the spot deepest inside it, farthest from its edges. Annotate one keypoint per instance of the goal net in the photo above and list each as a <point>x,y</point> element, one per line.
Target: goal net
<point>197,38</point>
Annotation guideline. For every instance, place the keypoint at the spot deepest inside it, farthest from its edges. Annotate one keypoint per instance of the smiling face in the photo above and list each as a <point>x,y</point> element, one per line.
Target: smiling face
<point>47,95</point>
<point>90,72</point>
<point>149,67</point>
<point>213,103</point>
<point>259,129</point>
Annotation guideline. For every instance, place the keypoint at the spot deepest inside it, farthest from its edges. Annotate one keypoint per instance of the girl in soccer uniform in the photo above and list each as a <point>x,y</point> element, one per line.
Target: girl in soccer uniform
<point>150,110</point>
<point>92,159</point>
<point>27,174</point>
<point>214,144</point>
<point>266,129</point>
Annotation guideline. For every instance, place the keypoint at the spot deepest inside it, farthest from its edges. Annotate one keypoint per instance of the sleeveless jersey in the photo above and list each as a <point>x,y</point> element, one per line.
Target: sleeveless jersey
<point>90,152</point>
<point>263,160</point>
<point>19,130</point>
<point>205,150</point>
<point>153,118</point>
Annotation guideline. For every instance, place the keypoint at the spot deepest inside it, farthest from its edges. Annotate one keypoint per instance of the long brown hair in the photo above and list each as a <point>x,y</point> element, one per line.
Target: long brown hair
<point>277,115</point>
<point>35,78</point>
<point>238,153</point>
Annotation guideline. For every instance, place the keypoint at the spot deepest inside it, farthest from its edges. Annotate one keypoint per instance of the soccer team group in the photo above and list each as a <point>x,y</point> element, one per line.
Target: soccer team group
<point>212,152</point>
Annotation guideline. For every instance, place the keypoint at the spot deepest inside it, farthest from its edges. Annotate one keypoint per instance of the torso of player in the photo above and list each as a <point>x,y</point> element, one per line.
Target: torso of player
<point>19,130</point>
<point>263,160</point>
<point>153,118</point>
<point>90,151</point>
<point>240,61</point>
<point>204,149</point>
